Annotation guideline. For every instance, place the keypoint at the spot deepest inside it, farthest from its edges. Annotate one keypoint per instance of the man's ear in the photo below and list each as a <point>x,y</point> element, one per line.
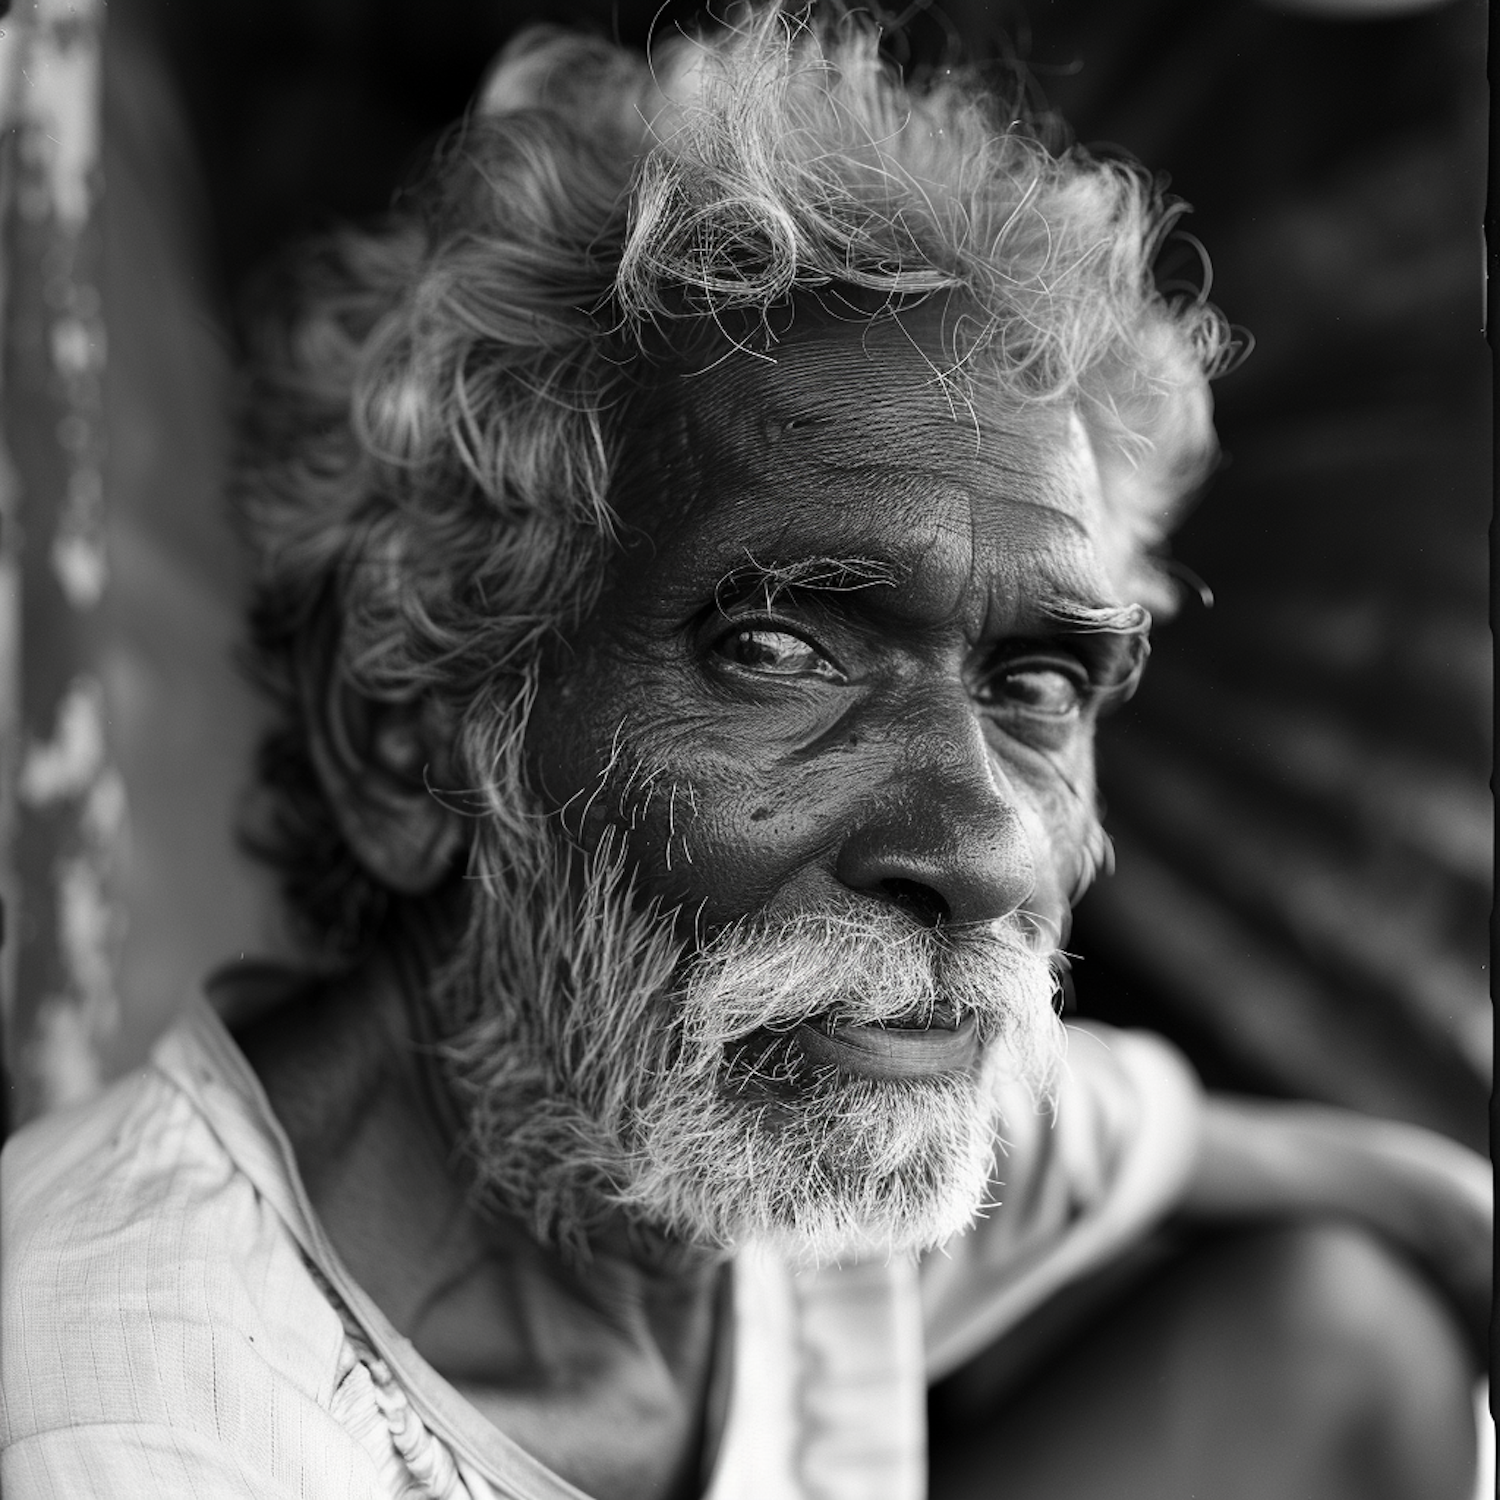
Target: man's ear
<point>379,762</point>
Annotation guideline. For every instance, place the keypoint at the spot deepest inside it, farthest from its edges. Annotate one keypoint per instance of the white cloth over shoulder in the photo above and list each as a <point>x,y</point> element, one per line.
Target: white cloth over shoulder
<point>175,1323</point>
<point>1072,1192</point>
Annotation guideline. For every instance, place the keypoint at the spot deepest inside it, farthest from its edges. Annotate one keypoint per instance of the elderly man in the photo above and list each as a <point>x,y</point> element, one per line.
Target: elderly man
<point>694,540</point>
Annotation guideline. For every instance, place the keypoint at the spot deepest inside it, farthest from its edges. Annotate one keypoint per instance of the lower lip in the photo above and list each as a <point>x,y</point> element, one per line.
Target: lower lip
<point>889,1052</point>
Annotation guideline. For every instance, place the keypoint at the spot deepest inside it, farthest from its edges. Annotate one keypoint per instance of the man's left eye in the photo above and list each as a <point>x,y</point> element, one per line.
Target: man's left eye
<point>777,652</point>
<point>1050,689</point>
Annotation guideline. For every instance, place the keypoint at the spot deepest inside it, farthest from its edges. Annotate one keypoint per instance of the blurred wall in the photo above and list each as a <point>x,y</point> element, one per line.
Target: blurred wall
<point>127,726</point>
<point>182,717</point>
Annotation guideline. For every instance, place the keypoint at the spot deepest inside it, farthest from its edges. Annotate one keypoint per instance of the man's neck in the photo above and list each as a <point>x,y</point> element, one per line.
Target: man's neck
<point>600,1370</point>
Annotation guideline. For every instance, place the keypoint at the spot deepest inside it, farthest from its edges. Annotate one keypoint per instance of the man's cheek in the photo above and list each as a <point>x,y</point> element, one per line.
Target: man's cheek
<point>1081,860</point>
<point>1067,841</point>
<point>717,836</point>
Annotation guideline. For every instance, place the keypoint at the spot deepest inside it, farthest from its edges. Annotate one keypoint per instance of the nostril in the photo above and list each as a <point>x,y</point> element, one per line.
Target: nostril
<point>918,901</point>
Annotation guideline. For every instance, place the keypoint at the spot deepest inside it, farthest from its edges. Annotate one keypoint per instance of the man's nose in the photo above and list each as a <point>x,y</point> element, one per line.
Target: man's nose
<point>944,841</point>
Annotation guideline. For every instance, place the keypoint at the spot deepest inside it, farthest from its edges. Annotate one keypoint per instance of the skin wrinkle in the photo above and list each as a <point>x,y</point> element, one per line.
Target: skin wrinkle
<point>806,404</point>
<point>808,397</point>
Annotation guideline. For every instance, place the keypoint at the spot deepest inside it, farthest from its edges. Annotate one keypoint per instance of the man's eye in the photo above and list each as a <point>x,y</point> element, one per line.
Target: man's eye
<point>777,652</point>
<point>1048,689</point>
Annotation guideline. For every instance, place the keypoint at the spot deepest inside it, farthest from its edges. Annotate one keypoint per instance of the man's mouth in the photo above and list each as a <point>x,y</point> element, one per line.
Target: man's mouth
<point>928,1045</point>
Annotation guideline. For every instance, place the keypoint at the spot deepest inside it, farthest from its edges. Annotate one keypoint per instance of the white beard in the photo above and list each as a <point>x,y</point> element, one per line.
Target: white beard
<point>603,1072</point>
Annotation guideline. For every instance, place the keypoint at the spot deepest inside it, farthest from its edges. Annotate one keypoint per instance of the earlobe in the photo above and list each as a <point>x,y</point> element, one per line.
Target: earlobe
<point>379,762</point>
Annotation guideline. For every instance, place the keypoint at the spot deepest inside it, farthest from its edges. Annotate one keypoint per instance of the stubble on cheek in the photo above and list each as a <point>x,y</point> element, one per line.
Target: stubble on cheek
<point>709,834</point>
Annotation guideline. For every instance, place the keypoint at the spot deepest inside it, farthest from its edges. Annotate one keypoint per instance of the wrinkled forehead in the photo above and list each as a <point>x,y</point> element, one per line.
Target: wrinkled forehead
<point>854,399</point>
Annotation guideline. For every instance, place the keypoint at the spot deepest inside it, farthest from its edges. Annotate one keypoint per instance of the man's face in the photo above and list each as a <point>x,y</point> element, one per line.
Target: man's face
<point>852,646</point>
<point>834,711</point>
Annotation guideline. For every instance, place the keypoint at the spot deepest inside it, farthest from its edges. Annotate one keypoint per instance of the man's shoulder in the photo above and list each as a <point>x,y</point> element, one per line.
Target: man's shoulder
<point>110,1180</point>
<point>77,1182</point>
<point>146,1279</point>
<point>1119,1123</point>
<point>1081,1176</point>
<point>63,1156</point>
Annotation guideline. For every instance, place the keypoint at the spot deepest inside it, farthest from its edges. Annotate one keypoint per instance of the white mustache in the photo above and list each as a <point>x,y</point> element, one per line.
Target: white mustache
<point>857,964</point>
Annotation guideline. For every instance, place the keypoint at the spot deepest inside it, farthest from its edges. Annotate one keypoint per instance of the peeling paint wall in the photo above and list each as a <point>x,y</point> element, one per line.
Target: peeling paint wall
<point>63,803</point>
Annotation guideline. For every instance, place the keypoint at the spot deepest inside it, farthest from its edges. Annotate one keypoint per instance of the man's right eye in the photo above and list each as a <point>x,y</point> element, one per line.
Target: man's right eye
<point>776,652</point>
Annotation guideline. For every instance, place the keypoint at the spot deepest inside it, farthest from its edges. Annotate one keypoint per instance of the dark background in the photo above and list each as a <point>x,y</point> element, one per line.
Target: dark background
<point>1299,791</point>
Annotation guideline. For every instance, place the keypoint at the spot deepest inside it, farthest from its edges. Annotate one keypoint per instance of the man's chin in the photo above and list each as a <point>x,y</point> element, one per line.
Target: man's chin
<point>846,1165</point>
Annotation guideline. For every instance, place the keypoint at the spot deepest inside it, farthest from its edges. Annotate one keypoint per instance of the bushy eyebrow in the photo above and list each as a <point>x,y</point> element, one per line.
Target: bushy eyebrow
<point>1123,635</point>
<point>1098,619</point>
<point>767,581</point>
